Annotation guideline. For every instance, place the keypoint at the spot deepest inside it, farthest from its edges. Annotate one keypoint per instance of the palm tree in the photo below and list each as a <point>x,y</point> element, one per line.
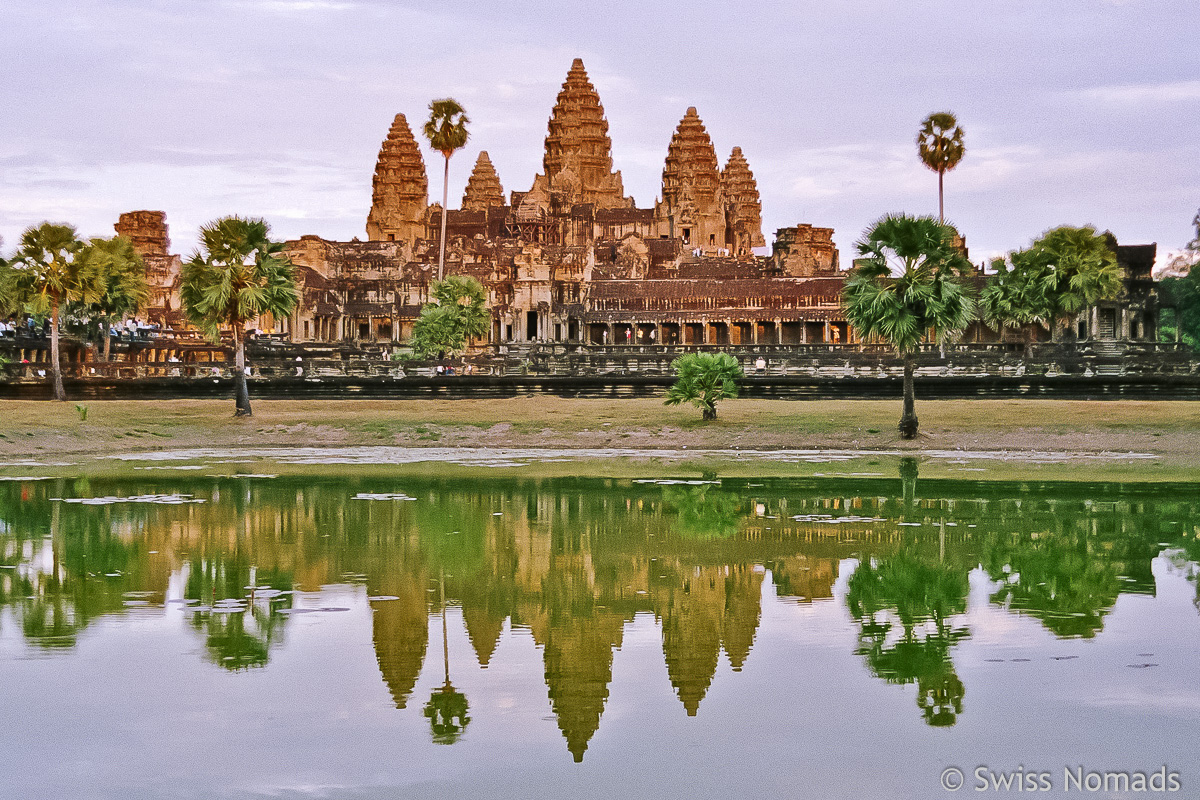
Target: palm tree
<point>703,379</point>
<point>123,277</point>
<point>1063,272</point>
<point>909,280</point>
<point>446,130</point>
<point>49,274</point>
<point>237,274</point>
<point>456,316</point>
<point>940,144</point>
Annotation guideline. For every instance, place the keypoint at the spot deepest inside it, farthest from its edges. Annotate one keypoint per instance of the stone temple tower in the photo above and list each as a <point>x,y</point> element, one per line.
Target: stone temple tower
<point>578,159</point>
<point>692,207</point>
<point>483,187</point>
<point>743,209</point>
<point>400,190</point>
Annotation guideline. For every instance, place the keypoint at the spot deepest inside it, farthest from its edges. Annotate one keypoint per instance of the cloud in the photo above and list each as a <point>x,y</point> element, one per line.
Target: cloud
<point>290,6</point>
<point>1138,93</point>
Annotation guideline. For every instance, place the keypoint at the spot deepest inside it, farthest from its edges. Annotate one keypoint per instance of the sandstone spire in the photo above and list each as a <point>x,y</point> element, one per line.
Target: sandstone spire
<point>578,159</point>
<point>743,209</point>
<point>483,187</point>
<point>400,191</point>
<point>691,207</point>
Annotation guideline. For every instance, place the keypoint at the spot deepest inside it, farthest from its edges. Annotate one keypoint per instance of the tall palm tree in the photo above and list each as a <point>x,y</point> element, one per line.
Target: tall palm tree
<point>940,145</point>
<point>446,130</point>
<point>49,274</point>
<point>123,277</point>
<point>237,274</point>
<point>910,279</point>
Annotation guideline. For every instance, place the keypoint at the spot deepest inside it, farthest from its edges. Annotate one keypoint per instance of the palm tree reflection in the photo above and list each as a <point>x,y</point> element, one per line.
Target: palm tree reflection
<point>921,595</point>
<point>447,707</point>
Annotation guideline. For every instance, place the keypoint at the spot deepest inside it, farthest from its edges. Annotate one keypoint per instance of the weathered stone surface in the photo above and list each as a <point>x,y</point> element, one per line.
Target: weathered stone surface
<point>400,191</point>
<point>805,252</point>
<point>578,159</point>
<point>743,209</point>
<point>483,187</point>
<point>692,207</point>
<point>147,230</point>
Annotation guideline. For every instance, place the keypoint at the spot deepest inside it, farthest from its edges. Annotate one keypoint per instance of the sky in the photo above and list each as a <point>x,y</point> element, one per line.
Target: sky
<point>1075,111</point>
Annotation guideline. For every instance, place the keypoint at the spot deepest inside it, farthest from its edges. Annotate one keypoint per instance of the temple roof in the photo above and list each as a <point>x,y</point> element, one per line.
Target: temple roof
<point>400,189</point>
<point>692,171</point>
<point>483,187</point>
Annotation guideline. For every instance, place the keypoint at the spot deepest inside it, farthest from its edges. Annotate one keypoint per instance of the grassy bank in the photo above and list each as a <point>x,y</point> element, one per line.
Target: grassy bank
<point>1170,431</point>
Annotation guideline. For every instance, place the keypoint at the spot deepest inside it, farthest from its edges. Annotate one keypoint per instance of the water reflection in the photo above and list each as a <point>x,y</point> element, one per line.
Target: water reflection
<point>571,562</point>
<point>921,595</point>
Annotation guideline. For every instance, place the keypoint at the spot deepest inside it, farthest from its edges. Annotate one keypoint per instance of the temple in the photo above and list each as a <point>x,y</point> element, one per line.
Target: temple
<point>571,260</point>
<point>574,264</point>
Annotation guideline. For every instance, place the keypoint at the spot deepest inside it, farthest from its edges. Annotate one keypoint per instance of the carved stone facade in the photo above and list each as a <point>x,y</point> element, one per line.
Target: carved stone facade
<point>483,187</point>
<point>148,232</point>
<point>578,159</point>
<point>692,207</point>
<point>400,191</point>
<point>743,209</point>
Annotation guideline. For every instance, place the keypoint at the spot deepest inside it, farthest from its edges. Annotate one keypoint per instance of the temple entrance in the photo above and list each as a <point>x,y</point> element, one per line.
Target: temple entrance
<point>647,333</point>
<point>1107,324</point>
<point>598,333</point>
<point>670,333</point>
<point>531,326</point>
<point>767,333</point>
<point>743,333</point>
<point>792,333</point>
<point>718,333</point>
<point>624,333</point>
<point>693,333</point>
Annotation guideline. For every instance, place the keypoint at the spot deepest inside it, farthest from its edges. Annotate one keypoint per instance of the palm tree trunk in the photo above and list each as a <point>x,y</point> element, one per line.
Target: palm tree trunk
<point>445,199</point>
<point>241,396</point>
<point>908,420</point>
<point>55,366</point>
<point>941,207</point>
<point>106,348</point>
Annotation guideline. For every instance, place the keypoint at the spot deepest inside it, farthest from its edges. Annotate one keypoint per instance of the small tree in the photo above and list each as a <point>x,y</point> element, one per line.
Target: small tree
<point>703,379</point>
<point>457,315</point>
<point>122,274</point>
<point>940,145</point>
<point>909,281</point>
<point>47,275</point>
<point>238,274</point>
<point>446,130</point>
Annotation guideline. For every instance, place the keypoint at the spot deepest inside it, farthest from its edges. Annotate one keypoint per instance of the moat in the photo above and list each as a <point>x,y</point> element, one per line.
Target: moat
<point>334,624</point>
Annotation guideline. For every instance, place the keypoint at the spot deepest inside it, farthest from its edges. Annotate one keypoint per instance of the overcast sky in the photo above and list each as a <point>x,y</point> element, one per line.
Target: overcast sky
<point>1075,111</point>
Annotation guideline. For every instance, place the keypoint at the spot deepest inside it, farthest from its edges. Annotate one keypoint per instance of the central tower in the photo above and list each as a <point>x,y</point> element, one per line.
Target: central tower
<point>578,159</point>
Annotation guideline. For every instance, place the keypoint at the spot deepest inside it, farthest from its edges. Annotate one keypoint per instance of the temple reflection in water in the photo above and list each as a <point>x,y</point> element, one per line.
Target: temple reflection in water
<point>573,561</point>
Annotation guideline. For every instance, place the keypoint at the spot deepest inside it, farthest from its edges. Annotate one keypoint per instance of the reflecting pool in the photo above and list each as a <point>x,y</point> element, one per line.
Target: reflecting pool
<point>204,633</point>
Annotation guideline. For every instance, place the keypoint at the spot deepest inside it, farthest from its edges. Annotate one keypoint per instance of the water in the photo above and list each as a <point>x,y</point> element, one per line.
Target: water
<point>179,634</point>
